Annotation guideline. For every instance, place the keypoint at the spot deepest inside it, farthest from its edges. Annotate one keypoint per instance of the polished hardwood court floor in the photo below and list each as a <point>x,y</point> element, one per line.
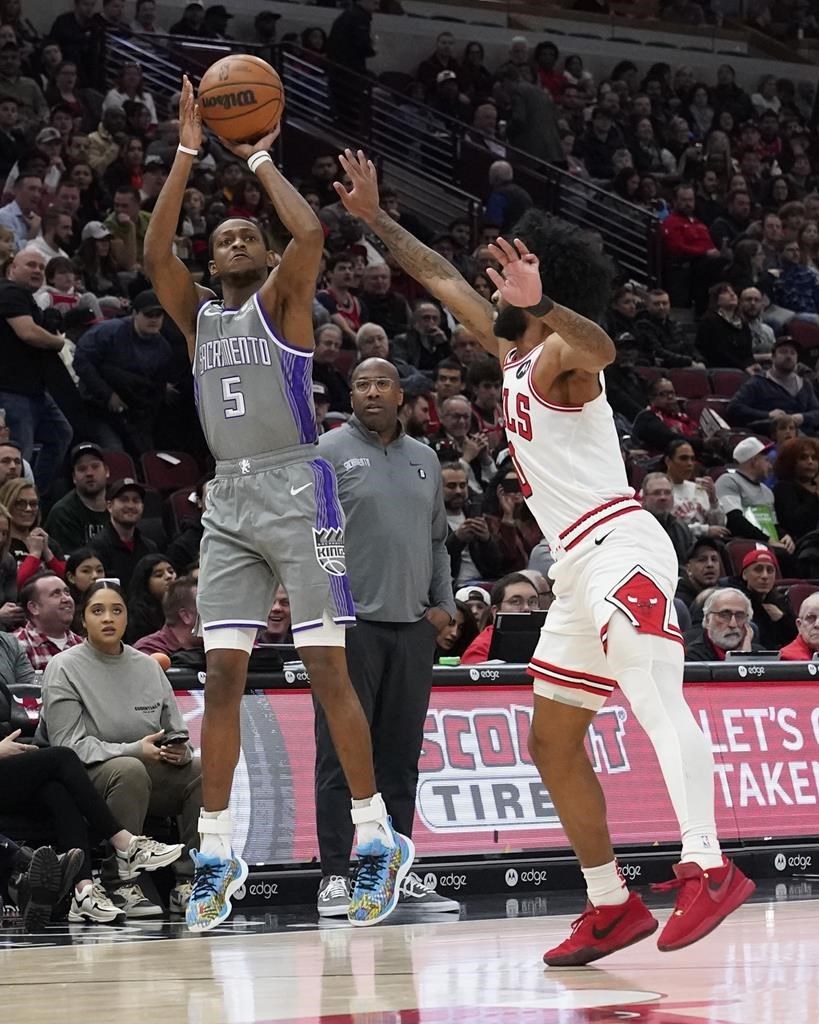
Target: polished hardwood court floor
<point>760,967</point>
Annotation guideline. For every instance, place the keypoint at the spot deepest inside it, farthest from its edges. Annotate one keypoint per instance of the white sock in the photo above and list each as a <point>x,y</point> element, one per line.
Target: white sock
<point>370,818</point>
<point>215,843</point>
<point>649,671</point>
<point>605,885</point>
<point>701,848</point>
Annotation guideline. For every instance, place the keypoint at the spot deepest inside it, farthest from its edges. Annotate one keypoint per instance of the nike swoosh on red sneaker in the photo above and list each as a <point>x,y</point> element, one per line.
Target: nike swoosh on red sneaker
<point>717,890</point>
<point>603,933</point>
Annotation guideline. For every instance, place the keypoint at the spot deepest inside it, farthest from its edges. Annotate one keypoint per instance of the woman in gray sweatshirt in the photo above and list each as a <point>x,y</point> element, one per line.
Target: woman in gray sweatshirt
<point>115,708</point>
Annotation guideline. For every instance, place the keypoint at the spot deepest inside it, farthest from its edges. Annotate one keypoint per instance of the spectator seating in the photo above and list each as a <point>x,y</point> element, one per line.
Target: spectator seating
<point>180,508</point>
<point>690,383</point>
<point>797,593</point>
<point>120,465</point>
<point>726,383</point>
<point>167,476</point>
<point>737,549</point>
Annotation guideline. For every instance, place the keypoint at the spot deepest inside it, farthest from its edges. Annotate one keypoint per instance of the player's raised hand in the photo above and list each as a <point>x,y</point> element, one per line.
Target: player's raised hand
<point>362,199</point>
<point>244,150</point>
<point>519,278</point>
<point>190,119</point>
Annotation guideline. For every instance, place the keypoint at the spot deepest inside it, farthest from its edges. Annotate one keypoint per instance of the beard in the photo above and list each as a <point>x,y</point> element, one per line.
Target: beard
<point>510,324</point>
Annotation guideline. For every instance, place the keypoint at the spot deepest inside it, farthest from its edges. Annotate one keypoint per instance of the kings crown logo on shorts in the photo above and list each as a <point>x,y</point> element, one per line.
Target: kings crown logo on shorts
<point>329,546</point>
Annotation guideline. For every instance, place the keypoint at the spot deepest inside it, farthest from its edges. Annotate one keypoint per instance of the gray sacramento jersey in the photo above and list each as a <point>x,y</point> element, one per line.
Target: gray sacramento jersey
<point>253,391</point>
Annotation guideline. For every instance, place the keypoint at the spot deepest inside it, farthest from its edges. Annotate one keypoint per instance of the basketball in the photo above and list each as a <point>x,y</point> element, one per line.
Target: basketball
<point>241,98</point>
<point>163,660</point>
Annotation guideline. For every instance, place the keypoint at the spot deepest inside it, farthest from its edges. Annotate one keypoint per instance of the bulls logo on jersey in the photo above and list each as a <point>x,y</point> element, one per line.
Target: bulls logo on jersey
<point>646,607</point>
<point>523,369</point>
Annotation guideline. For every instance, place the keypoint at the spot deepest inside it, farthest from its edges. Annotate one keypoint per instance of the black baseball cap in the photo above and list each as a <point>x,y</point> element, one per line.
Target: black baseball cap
<point>703,542</point>
<point>127,483</point>
<point>147,302</point>
<point>84,448</point>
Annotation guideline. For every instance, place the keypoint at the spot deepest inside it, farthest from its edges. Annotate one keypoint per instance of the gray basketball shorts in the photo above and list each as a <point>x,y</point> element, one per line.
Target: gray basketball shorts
<point>265,525</point>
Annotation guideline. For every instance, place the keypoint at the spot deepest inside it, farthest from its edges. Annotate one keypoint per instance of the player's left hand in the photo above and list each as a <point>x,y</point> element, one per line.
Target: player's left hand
<point>438,618</point>
<point>244,150</point>
<point>519,278</point>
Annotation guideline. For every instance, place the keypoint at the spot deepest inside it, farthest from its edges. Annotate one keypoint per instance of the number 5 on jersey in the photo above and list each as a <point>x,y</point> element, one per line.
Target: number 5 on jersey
<point>233,397</point>
<point>521,424</point>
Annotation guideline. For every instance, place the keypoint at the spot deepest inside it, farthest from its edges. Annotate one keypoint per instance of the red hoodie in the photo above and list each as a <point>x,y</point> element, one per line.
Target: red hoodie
<point>686,236</point>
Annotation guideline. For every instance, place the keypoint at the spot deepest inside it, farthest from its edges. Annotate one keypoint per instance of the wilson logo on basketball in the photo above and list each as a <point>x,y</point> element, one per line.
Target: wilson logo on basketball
<point>229,100</point>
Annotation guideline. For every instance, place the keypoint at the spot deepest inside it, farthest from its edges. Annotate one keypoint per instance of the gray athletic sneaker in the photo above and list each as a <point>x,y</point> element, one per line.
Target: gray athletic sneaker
<point>334,896</point>
<point>135,903</point>
<point>145,854</point>
<point>417,896</point>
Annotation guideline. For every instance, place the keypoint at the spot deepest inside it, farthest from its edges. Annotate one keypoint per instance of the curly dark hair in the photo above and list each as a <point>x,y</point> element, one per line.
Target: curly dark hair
<point>573,272</point>
<point>790,453</point>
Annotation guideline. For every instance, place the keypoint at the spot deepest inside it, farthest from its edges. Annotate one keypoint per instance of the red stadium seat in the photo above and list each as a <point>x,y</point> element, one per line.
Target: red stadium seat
<point>715,472</point>
<point>650,373</point>
<point>804,333</point>
<point>798,592</point>
<point>120,465</point>
<point>167,471</point>
<point>690,383</point>
<point>345,360</point>
<point>180,508</point>
<point>726,383</point>
<point>694,407</point>
<point>739,548</point>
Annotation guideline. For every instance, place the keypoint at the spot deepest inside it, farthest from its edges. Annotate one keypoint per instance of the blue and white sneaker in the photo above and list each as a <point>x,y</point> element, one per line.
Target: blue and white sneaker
<point>381,870</point>
<point>214,882</point>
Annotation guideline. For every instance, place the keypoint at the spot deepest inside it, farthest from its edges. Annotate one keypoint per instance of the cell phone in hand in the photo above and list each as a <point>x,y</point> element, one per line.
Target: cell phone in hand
<point>474,508</point>
<point>173,738</point>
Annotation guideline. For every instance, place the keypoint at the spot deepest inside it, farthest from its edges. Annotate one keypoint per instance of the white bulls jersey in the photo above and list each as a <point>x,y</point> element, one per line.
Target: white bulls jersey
<point>567,458</point>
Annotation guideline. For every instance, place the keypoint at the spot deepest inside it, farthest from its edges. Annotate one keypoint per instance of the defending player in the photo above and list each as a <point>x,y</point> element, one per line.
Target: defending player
<point>613,618</point>
<point>272,514</point>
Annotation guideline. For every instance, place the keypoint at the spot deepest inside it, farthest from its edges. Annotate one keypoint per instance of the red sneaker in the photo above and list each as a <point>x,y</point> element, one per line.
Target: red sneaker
<point>704,900</point>
<point>603,930</point>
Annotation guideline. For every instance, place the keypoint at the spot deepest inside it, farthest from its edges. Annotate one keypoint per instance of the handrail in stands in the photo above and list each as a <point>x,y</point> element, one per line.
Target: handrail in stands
<point>438,164</point>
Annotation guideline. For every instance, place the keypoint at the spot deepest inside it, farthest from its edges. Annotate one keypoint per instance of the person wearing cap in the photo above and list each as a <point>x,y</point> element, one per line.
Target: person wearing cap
<point>190,24</point>
<point>123,364</point>
<point>476,599</point>
<point>56,230</point>
<point>154,175</point>
<point>389,486</point>
<point>29,95</point>
<point>773,615</point>
<point>748,503</point>
<point>727,626</point>
<point>806,645</point>
<point>447,98</point>
<point>82,514</point>
<point>216,21</point>
<point>702,569</point>
<point>780,391</point>
<point>121,543</point>
<point>321,403</point>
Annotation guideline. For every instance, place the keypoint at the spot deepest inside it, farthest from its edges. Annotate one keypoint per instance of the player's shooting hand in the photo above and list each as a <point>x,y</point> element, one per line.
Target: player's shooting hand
<point>519,278</point>
<point>244,150</point>
<point>190,118</point>
<point>362,199</point>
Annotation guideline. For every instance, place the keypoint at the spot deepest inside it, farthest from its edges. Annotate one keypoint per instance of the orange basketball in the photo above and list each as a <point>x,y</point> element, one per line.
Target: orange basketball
<point>163,659</point>
<point>241,98</point>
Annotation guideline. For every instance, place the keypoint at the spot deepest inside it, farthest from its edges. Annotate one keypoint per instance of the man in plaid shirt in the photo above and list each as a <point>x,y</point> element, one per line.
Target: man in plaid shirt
<point>49,608</point>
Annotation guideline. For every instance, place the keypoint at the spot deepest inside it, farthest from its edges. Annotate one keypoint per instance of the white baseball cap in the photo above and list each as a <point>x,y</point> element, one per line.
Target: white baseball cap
<point>748,448</point>
<point>467,594</point>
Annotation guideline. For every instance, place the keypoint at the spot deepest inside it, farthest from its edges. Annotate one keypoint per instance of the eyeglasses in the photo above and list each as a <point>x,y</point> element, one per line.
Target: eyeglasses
<point>726,616</point>
<point>532,603</point>
<point>22,504</point>
<point>382,385</point>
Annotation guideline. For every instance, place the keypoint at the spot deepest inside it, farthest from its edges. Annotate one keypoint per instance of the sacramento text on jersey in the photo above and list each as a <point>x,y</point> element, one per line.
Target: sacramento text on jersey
<point>241,351</point>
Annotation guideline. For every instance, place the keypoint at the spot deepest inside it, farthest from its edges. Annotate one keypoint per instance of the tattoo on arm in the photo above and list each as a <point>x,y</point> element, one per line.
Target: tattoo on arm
<point>580,333</point>
<point>417,259</point>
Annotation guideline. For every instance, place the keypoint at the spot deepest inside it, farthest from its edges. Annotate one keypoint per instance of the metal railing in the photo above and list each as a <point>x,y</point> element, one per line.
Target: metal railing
<point>437,163</point>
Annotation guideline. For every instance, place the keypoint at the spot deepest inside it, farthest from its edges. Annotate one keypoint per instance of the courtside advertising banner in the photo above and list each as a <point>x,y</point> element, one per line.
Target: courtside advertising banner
<point>479,793</point>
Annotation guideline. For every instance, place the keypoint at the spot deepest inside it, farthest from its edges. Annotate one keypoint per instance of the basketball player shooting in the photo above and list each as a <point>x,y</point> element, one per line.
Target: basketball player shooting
<point>613,620</point>
<point>272,513</point>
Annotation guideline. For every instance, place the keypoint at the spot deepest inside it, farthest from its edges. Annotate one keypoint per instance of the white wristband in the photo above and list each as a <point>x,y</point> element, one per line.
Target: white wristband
<point>257,159</point>
<point>187,149</point>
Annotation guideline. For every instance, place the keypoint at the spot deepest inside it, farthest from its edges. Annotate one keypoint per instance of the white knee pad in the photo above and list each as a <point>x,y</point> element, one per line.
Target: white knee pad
<point>323,634</point>
<point>229,638</point>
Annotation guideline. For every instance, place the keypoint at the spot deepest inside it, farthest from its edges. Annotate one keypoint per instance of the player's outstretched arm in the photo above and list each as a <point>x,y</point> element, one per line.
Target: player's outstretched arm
<point>588,347</point>
<point>435,273</point>
<point>288,294</point>
<point>179,294</point>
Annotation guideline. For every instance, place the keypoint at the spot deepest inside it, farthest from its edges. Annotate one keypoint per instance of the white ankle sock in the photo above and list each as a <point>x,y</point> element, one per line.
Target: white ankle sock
<point>701,848</point>
<point>605,885</point>
<point>370,818</point>
<point>216,843</point>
